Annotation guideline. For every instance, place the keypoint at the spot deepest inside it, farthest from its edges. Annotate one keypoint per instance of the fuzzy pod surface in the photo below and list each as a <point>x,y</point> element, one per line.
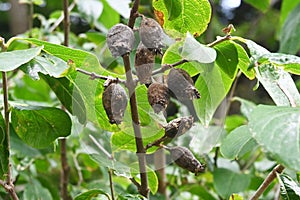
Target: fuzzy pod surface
<point>144,63</point>
<point>158,96</point>
<point>115,101</point>
<point>151,33</point>
<point>185,159</point>
<point>178,126</point>
<point>182,85</point>
<point>120,40</point>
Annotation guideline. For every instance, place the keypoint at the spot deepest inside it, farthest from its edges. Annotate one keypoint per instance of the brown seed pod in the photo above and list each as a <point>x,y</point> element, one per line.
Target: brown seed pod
<point>158,96</point>
<point>151,33</point>
<point>184,158</point>
<point>114,100</point>
<point>178,126</point>
<point>181,85</point>
<point>120,40</point>
<point>144,62</point>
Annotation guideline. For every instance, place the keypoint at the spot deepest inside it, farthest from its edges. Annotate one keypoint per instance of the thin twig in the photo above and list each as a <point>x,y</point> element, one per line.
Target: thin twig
<point>61,18</point>
<point>168,66</point>
<point>111,184</point>
<point>109,156</point>
<point>66,23</point>
<point>97,76</point>
<point>219,40</point>
<point>269,179</point>
<point>78,168</point>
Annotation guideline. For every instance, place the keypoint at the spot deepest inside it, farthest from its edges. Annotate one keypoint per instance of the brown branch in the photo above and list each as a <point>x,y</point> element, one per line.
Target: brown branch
<point>168,66</point>
<point>66,23</point>
<point>97,76</point>
<point>111,184</point>
<point>269,179</point>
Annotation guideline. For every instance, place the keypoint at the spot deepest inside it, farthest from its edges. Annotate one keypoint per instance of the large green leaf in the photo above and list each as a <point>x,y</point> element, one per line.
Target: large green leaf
<point>289,189</point>
<point>244,62</point>
<point>237,143</point>
<point>122,7</point>
<point>246,106</point>
<point>213,85</point>
<point>227,58</point>
<point>286,7</point>
<point>279,84</point>
<point>227,182</point>
<point>40,126</point>
<point>192,50</point>
<point>34,191</point>
<point>262,5</point>
<point>4,151</point>
<point>194,17</point>
<point>14,59</point>
<point>276,129</point>
<point>174,8</point>
<point>91,194</point>
<point>90,9</point>
<point>109,16</point>
<point>289,40</point>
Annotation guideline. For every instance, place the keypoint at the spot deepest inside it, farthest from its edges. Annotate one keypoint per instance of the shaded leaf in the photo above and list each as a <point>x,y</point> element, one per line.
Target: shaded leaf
<point>192,50</point>
<point>4,151</point>
<point>174,8</point>
<point>262,5</point>
<point>237,143</point>
<point>40,126</point>
<point>34,191</point>
<point>246,106</point>
<point>289,39</point>
<point>234,182</point>
<point>277,135</point>
<point>109,17</point>
<point>289,189</point>
<point>90,9</point>
<point>91,194</point>
<point>244,62</point>
<point>194,17</point>
<point>286,7</point>
<point>14,59</point>
<point>122,7</point>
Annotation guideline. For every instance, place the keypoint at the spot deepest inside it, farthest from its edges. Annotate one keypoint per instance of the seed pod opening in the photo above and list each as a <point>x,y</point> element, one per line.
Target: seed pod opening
<point>120,40</point>
<point>178,126</point>
<point>114,101</point>
<point>144,62</point>
<point>182,85</point>
<point>185,159</point>
<point>158,96</point>
<point>151,33</point>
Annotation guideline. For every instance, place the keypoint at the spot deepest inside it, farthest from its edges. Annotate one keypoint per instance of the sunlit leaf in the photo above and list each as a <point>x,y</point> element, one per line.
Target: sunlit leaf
<point>91,194</point>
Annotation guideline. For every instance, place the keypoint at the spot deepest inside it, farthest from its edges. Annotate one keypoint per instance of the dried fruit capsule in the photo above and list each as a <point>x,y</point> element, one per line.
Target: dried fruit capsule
<point>144,62</point>
<point>158,96</point>
<point>184,158</point>
<point>181,85</point>
<point>178,126</point>
<point>114,100</point>
<point>120,40</point>
<point>151,33</point>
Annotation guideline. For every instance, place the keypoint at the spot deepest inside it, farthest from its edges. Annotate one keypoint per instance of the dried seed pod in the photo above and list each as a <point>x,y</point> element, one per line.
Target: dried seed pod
<point>114,100</point>
<point>184,158</point>
<point>178,126</point>
<point>151,33</point>
<point>158,96</point>
<point>181,85</point>
<point>144,62</point>
<point>120,40</point>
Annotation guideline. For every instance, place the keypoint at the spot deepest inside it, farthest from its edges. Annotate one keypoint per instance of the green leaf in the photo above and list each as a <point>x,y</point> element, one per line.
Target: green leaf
<point>194,17</point>
<point>200,191</point>
<point>276,129</point>
<point>40,126</point>
<point>172,55</point>
<point>4,151</point>
<point>246,106</point>
<point>227,58</point>
<point>204,139</point>
<point>289,40</point>
<point>262,5</point>
<point>174,8</point>
<point>256,50</point>
<point>14,59</point>
<point>68,95</point>
<point>131,197</point>
<point>286,7</point>
<point>213,85</point>
<point>236,197</point>
<point>90,9</point>
<point>237,143</point>
<point>34,191</point>
<point>279,85</point>
<point>234,121</point>
<point>289,63</point>
<point>192,50</point>
<point>91,194</point>
<point>227,182</point>
<point>244,62</point>
<point>109,16</point>
<point>289,189</point>
<point>122,7</point>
